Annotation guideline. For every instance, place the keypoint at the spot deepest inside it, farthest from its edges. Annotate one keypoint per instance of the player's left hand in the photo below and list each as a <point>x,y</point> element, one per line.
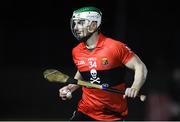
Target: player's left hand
<point>131,92</point>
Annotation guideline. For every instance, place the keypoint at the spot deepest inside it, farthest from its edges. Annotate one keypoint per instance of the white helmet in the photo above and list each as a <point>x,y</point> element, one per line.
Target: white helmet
<point>89,15</point>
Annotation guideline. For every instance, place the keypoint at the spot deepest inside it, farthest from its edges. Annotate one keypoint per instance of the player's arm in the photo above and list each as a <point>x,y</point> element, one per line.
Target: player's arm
<point>140,74</point>
<point>70,87</point>
<point>73,87</point>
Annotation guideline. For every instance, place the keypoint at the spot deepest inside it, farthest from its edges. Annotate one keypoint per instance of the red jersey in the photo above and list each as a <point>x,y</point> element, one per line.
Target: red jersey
<point>103,65</point>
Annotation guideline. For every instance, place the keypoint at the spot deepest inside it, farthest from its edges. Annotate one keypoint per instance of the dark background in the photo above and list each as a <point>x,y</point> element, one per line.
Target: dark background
<point>36,35</point>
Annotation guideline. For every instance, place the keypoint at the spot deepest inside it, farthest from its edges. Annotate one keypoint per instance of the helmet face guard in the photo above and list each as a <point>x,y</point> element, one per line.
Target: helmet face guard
<point>84,26</point>
<point>85,16</point>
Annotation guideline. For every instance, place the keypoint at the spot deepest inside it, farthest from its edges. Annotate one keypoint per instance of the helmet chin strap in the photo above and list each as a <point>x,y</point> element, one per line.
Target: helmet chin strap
<point>84,39</point>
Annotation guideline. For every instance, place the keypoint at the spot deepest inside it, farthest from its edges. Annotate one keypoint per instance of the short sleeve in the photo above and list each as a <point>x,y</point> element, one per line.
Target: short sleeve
<point>124,53</point>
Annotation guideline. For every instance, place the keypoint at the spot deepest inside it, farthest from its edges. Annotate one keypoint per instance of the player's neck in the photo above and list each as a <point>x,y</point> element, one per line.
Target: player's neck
<point>92,41</point>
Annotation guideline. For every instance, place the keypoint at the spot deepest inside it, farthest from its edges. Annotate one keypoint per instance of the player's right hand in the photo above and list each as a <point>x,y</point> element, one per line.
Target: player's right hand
<point>63,92</point>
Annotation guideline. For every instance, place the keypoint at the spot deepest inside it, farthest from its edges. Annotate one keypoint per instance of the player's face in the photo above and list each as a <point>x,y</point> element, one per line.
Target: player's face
<point>80,28</point>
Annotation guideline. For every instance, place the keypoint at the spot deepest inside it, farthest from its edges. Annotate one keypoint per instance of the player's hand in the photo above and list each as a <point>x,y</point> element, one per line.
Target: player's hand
<point>65,93</point>
<point>131,92</point>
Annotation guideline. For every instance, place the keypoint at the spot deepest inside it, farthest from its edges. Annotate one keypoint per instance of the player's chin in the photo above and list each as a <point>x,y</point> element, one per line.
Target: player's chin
<point>63,98</point>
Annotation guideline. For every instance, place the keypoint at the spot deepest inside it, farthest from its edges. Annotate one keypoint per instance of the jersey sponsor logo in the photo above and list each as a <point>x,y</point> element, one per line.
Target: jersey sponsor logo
<point>92,63</point>
<point>80,62</point>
